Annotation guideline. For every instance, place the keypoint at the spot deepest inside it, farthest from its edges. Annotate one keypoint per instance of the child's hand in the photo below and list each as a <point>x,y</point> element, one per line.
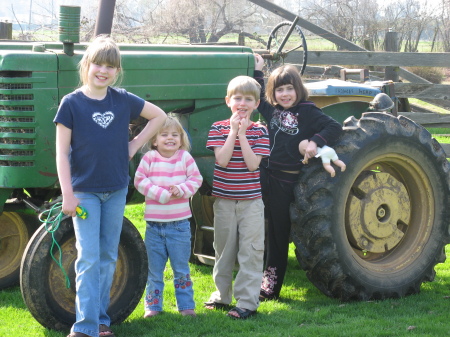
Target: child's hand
<point>174,191</point>
<point>69,205</point>
<point>243,125</point>
<point>259,62</point>
<point>235,121</point>
<point>310,152</point>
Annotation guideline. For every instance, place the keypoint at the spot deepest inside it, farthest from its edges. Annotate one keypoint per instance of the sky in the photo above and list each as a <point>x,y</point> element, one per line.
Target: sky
<point>44,9</point>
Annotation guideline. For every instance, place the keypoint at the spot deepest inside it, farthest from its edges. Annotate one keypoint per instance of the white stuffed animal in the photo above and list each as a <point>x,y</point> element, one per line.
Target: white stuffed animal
<point>327,154</point>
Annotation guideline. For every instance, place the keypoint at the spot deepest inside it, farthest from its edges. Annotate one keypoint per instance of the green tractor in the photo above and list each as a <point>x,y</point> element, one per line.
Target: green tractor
<point>374,231</point>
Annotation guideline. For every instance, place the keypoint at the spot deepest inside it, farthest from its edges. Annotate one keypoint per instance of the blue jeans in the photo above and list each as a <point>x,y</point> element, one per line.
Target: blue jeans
<point>168,240</point>
<point>97,242</point>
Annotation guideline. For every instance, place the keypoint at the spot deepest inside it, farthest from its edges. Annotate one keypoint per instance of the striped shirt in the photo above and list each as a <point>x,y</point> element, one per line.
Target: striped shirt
<point>155,174</point>
<point>236,181</point>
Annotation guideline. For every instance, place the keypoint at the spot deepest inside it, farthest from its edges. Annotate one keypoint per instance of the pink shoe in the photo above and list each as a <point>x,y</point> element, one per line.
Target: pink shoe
<point>151,313</point>
<point>188,312</point>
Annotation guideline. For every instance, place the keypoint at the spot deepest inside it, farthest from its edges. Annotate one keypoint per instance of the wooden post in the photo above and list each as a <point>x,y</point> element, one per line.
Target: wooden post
<point>369,45</point>
<point>241,39</point>
<point>391,44</point>
<point>5,31</point>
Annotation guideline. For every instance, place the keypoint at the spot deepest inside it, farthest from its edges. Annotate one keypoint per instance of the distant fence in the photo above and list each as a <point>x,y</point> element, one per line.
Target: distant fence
<point>416,88</point>
<point>390,59</point>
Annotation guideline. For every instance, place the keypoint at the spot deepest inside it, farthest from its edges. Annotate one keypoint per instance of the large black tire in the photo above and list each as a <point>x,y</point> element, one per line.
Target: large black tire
<point>16,230</point>
<point>43,283</point>
<point>378,229</point>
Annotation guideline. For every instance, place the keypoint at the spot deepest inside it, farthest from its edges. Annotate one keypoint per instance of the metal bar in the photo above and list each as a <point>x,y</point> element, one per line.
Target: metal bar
<point>371,58</point>
<point>343,43</point>
<point>105,17</point>
<point>336,39</point>
<point>288,34</point>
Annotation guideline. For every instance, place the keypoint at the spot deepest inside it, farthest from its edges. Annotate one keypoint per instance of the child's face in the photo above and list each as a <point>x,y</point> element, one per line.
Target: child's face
<point>101,76</point>
<point>242,104</point>
<point>167,142</point>
<point>285,95</point>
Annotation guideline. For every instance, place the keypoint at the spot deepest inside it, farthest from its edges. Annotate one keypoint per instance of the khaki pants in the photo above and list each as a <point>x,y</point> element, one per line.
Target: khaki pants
<point>238,234</point>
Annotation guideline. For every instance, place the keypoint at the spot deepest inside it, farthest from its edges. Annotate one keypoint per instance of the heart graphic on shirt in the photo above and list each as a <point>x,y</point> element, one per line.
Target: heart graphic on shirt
<point>103,119</point>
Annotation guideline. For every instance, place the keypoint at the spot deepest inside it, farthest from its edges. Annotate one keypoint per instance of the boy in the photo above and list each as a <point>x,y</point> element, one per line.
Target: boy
<point>239,145</point>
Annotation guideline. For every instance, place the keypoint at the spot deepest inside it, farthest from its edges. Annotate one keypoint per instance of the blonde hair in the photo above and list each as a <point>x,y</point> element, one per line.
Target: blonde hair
<point>172,122</point>
<point>244,85</point>
<point>103,50</point>
<point>287,74</point>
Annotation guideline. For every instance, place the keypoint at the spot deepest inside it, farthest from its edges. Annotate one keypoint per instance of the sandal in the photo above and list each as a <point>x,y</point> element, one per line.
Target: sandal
<point>105,331</point>
<point>77,334</point>
<point>216,305</point>
<point>242,313</point>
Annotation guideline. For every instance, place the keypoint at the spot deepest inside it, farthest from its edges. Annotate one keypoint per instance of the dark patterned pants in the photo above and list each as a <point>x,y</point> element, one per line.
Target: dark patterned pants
<point>278,193</point>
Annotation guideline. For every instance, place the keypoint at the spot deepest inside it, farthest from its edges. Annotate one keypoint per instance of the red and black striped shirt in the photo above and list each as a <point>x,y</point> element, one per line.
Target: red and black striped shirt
<point>236,181</point>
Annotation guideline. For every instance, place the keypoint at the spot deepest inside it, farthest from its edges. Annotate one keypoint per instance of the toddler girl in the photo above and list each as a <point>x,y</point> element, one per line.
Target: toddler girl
<point>167,176</point>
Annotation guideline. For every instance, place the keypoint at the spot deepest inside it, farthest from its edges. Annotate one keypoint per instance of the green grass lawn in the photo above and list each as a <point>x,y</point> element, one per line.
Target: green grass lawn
<point>302,310</point>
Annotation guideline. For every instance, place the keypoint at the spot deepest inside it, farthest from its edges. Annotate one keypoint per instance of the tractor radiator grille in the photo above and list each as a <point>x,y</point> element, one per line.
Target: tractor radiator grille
<point>16,97</point>
<point>17,108</point>
<point>15,86</point>
<point>16,163</point>
<point>4,119</point>
<point>16,153</point>
<point>17,141</point>
<point>15,130</point>
<point>17,119</point>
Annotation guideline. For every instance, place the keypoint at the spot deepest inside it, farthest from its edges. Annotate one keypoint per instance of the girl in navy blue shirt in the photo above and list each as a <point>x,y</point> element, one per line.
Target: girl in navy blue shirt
<point>92,154</point>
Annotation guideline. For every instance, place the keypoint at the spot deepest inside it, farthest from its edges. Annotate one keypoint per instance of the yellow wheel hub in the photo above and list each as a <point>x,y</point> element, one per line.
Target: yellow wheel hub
<point>379,212</point>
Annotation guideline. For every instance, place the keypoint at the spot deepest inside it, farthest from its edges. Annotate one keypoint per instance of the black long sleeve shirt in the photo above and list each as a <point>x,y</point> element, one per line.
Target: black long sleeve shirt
<point>287,128</point>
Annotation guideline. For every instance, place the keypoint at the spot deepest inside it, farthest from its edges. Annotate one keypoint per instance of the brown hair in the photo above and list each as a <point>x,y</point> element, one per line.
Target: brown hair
<point>172,122</point>
<point>286,74</point>
<point>244,85</point>
<point>103,50</point>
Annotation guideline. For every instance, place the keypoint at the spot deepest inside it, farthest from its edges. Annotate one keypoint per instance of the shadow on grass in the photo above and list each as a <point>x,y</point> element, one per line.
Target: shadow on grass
<point>12,297</point>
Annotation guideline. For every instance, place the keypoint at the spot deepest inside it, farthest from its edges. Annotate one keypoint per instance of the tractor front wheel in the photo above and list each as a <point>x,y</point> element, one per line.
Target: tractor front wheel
<point>43,284</point>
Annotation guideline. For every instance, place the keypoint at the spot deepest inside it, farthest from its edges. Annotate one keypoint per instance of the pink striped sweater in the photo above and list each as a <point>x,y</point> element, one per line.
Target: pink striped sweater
<point>156,174</point>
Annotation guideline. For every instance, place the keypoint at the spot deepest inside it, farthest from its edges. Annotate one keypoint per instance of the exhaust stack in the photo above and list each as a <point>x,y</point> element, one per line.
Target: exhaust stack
<point>105,17</point>
<point>69,27</point>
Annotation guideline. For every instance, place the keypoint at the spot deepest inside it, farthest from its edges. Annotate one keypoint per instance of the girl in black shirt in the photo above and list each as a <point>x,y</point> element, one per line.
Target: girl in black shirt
<point>290,120</point>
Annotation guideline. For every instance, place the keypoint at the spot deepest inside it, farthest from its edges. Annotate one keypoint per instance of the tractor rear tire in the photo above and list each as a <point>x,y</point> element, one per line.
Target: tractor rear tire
<point>43,283</point>
<point>378,229</point>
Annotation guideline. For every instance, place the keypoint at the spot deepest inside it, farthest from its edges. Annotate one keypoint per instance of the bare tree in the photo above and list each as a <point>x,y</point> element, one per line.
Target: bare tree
<point>199,21</point>
<point>443,24</point>
<point>191,21</point>
<point>354,20</point>
<point>208,22</point>
<point>409,18</point>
